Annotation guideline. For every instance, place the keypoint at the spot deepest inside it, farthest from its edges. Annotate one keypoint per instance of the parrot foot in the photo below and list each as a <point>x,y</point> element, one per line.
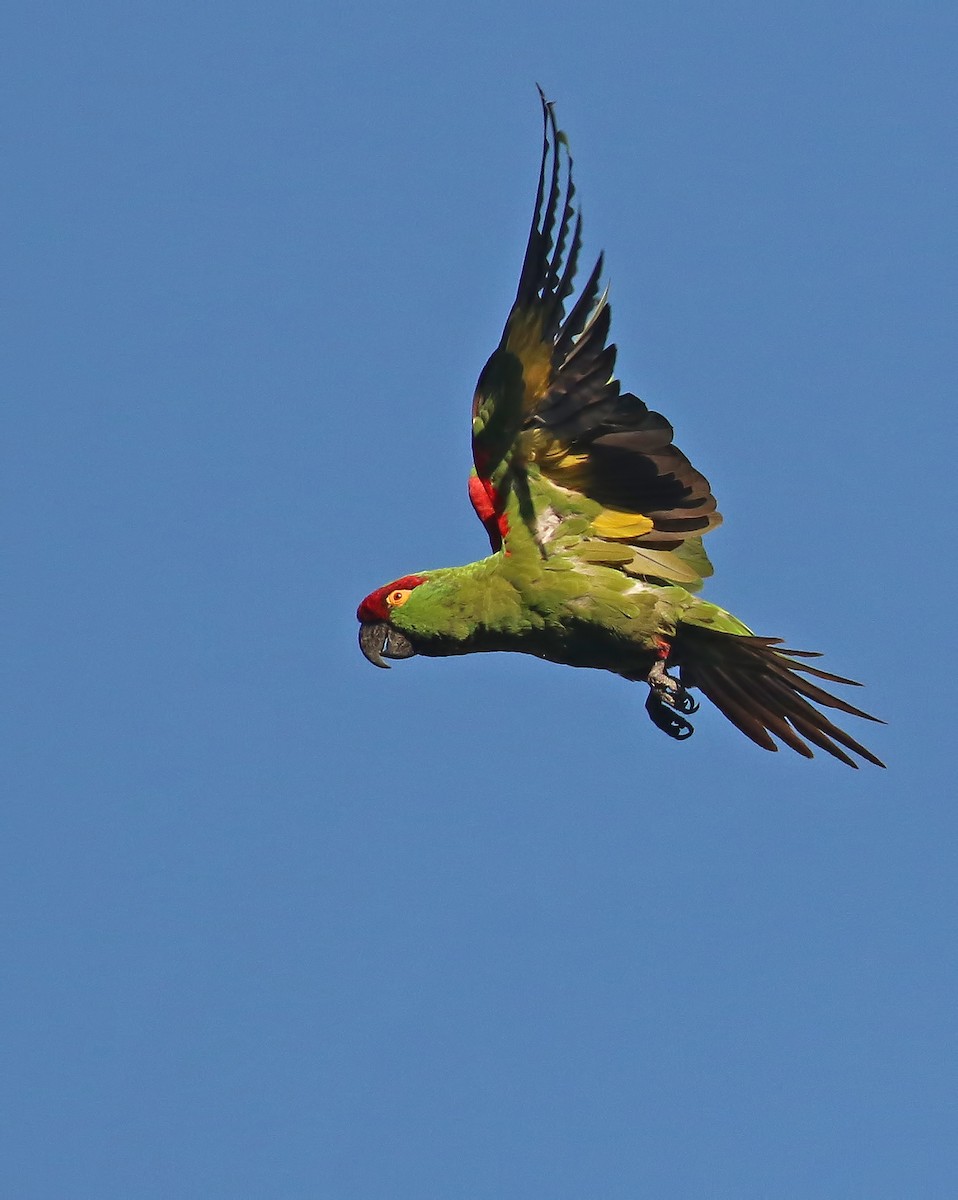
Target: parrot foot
<point>668,690</point>
<point>666,703</point>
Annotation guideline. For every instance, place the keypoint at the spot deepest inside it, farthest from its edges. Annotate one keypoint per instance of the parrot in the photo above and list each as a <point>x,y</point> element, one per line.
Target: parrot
<point>595,520</point>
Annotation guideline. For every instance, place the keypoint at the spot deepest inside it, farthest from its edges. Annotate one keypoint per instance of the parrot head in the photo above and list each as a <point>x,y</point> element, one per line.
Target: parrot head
<point>380,618</point>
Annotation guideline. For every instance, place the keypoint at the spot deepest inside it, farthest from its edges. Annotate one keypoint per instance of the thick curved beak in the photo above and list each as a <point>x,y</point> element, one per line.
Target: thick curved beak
<point>379,640</point>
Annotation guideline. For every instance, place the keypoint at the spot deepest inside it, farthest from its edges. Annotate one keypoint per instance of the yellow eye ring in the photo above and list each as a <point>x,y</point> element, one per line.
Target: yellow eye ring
<point>399,597</point>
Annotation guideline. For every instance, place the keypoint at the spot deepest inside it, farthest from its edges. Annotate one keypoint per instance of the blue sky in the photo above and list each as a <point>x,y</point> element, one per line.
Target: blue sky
<point>278,924</point>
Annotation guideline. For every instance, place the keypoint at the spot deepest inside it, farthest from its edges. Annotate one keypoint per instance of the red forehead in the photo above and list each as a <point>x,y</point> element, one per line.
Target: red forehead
<point>375,608</point>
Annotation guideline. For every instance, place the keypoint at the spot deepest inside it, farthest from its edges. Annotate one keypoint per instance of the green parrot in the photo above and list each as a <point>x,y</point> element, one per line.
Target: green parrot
<point>596,520</point>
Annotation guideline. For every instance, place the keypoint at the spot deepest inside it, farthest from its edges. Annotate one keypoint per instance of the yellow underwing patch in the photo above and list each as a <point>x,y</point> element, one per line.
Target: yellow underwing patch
<point>614,523</point>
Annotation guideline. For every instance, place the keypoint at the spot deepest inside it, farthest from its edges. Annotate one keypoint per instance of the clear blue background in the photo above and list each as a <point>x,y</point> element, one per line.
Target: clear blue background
<point>277,924</point>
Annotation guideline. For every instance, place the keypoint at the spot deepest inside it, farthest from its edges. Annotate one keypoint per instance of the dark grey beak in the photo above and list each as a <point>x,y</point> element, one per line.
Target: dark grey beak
<point>379,640</point>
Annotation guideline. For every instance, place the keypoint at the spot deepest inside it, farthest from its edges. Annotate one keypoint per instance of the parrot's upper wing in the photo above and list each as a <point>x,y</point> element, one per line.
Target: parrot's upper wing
<point>592,469</point>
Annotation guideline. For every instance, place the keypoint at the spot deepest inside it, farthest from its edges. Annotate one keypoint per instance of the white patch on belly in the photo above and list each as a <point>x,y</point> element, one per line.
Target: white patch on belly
<point>547,522</point>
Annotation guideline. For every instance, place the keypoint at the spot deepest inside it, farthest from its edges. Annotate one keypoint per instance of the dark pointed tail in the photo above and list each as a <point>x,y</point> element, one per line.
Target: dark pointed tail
<point>763,691</point>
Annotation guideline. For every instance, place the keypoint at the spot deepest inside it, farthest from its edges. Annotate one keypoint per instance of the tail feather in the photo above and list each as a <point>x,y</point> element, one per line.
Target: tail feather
<point>718,681</point>
<point>763,691</point>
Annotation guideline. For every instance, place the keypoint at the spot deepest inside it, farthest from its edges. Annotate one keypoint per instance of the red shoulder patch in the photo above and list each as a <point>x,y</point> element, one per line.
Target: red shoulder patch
<point>375,608</point>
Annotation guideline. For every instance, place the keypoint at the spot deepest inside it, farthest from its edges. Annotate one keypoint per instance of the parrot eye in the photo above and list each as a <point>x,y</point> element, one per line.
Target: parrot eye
<point>399,597</point>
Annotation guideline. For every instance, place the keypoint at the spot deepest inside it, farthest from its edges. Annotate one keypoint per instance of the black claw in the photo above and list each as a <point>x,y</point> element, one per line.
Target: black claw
<point>685,703</point>
<point>666,718</point>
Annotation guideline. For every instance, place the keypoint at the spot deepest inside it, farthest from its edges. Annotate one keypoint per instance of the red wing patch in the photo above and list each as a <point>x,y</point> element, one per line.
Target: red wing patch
<point>375,608</point>
<point>481,494</point>
<point>488,504</point>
